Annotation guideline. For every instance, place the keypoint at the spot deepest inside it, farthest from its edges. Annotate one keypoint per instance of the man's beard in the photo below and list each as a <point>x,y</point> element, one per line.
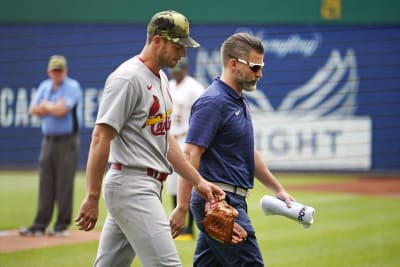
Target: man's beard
<point>246,84</point>
<point>165,63</point>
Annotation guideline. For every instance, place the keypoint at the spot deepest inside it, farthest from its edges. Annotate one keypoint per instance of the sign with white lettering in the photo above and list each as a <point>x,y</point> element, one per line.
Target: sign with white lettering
<point>314,144</point>
<point>328,98</point>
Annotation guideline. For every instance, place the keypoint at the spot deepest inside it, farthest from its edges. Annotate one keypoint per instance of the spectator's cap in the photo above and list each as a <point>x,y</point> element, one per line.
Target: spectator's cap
<point>57,62</point>
<point>182,64</point>
<point>172,26</point>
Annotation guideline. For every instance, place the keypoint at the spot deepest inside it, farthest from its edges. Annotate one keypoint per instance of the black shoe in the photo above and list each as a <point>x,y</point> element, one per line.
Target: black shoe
<point>58,233</point>
<point>31,231</point>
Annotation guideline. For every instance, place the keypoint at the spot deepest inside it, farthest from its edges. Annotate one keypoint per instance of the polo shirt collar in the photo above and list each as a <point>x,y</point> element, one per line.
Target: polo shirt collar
<point>228,90</point>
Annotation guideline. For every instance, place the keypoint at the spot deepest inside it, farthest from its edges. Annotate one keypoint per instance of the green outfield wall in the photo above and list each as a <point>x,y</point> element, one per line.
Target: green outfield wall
<point>203,12</point>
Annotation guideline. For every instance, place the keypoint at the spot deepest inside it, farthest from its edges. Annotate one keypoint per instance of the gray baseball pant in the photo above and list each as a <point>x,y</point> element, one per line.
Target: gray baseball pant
<point>136,222</point>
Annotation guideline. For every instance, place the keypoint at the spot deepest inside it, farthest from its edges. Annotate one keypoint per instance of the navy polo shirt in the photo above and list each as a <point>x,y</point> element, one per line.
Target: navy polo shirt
<point>220,121</point>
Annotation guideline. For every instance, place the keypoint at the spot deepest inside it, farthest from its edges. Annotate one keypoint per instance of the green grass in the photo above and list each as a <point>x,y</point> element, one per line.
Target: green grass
<point>349,230</point>
<point>19,192</point>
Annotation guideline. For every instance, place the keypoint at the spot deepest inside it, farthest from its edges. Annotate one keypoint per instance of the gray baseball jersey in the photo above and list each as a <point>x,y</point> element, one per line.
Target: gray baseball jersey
<point>137,104</point>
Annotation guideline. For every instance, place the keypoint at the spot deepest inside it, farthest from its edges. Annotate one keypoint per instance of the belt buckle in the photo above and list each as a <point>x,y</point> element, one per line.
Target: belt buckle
<point>240,191</point>
<point>235,190</point>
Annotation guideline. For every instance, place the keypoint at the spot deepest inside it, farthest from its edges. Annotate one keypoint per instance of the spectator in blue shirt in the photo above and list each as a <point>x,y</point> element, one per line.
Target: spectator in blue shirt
<point>220,143</point>
<point>58,104</point>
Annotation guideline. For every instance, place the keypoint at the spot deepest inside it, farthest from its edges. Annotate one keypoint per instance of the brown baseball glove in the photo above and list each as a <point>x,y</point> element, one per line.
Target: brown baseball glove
<point>219,223</point>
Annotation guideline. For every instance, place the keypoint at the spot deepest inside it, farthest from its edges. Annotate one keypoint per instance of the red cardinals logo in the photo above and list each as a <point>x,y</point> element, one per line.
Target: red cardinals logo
<point>159,123</point>
<point>155,107</point>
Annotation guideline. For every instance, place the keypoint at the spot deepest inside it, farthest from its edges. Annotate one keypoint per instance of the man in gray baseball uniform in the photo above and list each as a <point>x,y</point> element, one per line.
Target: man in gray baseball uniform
<point>131,133</point>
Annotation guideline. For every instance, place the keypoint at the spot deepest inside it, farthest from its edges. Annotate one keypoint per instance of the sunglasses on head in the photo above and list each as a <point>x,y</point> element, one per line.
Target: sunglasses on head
<point>253,66</point>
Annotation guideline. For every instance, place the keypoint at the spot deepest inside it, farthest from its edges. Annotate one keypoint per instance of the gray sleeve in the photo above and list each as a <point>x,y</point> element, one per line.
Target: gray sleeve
<point>118,103</point>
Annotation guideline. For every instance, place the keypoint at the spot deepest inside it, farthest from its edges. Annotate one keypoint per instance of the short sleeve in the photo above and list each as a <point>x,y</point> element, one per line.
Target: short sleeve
<point>205,120</point>
<point>39,95</point>
<point>118,103</point>
<point>75,95</point>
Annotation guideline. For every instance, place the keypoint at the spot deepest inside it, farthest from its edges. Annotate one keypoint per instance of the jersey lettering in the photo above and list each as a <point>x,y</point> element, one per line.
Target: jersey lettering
<point>159,123</point>
<point>161,128</point>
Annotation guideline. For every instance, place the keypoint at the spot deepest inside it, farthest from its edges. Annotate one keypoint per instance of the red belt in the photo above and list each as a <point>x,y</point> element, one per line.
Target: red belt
<point>150,172</point>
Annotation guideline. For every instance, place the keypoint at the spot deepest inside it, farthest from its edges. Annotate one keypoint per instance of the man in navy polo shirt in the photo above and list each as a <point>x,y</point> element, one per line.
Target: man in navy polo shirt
<point>58,103</point>
<point>220,143</point>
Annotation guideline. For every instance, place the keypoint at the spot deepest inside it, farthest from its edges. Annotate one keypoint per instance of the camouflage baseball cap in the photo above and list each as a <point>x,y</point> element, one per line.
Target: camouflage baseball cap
<point>172,26</point>
<point>57,62</point>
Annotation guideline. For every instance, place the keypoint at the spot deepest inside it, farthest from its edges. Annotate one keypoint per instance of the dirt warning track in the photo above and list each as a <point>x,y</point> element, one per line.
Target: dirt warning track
<point>11,241</point>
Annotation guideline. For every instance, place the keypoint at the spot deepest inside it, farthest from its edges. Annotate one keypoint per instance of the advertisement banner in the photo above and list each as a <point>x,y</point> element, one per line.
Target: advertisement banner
<point>328,98</point>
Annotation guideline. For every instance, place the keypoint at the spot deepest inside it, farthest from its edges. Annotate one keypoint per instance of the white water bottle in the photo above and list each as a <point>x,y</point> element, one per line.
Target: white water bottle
<point>298,212</point>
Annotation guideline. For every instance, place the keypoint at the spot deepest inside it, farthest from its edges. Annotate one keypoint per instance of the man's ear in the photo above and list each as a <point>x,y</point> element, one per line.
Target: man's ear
<point>232,63</point>
<point>157,39</point>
